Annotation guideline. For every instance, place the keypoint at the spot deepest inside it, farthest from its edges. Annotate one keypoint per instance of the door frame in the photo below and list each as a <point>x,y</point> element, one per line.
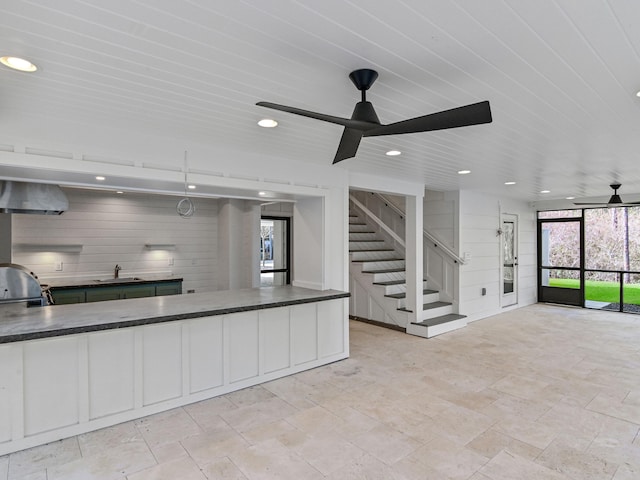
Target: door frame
<point>288,236</point>
<point>511,298</point>
<point>559,295</point>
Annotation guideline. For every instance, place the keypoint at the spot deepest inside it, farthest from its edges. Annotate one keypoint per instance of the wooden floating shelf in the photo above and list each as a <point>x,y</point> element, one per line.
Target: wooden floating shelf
<point>44,247</point>
<point>160,246</point>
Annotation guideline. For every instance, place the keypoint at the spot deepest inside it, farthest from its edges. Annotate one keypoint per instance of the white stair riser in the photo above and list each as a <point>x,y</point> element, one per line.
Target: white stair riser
<point>436,312</point>
<point>387,277</point>
<point>399,288</point>
<point>359,228</point>
<point>360,236</point>
<point>382,264</point>
<point>428,332</point>
<point>374,255</point>
<point>426,298</point>
<point>359,246</point>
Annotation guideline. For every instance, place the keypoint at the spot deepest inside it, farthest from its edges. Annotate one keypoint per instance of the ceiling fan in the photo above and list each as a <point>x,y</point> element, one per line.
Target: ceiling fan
<point>364,121</point>
<point>614,201</point>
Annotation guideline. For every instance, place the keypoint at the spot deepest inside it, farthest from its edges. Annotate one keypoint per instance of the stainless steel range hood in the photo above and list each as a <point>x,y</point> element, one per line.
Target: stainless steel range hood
<point>32,198</point>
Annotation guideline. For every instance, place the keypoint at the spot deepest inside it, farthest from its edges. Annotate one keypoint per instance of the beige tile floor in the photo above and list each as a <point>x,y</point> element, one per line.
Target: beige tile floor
<point>542,392</point>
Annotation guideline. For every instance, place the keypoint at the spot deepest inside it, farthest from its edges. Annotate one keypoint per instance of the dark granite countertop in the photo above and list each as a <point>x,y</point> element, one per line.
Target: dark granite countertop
<point>110,282</point>
<point>22,323</point>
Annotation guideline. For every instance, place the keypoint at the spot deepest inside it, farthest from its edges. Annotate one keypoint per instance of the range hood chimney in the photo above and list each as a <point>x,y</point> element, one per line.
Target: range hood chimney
<point>32,198</point>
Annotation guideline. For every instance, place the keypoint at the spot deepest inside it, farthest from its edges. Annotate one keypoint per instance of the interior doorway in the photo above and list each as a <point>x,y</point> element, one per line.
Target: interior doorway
<point>275,251</point>
<point>509,260</point>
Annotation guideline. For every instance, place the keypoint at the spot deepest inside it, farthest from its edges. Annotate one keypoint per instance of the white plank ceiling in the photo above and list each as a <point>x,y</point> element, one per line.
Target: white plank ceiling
<point>561,77</point>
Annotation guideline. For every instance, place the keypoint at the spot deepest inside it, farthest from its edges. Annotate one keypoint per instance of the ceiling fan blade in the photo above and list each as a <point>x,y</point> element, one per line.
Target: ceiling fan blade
<point>348,144</point>
<point>345,122</point>
<point>474,114</point>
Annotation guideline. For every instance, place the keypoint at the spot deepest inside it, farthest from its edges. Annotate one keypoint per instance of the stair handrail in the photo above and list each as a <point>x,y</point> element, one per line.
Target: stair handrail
<point>379,222</point>
<point>431,237</point>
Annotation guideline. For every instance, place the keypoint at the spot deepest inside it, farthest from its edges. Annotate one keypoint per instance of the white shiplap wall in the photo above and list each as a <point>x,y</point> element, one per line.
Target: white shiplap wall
<point>440,216</point>
<point>479,221</point>
<point>113,229</point>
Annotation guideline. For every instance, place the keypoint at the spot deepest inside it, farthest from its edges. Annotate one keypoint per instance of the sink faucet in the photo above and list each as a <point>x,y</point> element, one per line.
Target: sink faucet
<point>116,271</point>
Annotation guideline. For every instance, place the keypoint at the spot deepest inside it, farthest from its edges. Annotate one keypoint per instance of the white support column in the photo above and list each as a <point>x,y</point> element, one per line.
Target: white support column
<point>414,255</point>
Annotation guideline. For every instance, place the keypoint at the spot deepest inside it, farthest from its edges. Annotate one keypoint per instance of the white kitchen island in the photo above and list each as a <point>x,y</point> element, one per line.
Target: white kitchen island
<point>70,369</point>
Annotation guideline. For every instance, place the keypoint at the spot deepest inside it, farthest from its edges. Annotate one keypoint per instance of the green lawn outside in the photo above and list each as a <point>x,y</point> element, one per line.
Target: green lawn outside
<point>601,291</point>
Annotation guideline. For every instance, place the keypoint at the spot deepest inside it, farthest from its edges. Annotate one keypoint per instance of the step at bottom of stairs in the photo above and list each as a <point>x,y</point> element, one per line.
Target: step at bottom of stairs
<point>399,296</point>
<point>428,306</point>
<point>437,325</point>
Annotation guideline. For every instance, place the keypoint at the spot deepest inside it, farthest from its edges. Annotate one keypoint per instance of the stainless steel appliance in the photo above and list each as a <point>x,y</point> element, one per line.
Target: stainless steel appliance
<point>18,284</point>
<point>32,198</point>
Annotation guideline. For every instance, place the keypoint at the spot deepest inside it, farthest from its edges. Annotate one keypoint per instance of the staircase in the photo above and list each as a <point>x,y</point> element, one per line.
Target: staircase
<point>379,270</point>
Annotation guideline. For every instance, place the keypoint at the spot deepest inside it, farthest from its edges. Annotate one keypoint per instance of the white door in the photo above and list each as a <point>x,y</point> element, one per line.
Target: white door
<point>509,260</point>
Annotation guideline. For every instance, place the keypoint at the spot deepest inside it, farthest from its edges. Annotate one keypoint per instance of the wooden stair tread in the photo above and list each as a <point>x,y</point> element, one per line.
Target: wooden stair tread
<point>385,270</point>
<point>398,296</point>
<point>391,282</point>
<point>379,260</point>
<point>428,306</point>
<point>450,317</point>
<point>373,250</point>
<point>371,240</point>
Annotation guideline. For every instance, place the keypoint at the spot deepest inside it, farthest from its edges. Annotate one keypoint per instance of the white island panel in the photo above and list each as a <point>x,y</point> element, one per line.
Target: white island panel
<point>51,384</point>
<point>331,334</point>
<point>242,333</point>
<point>6,376</point>
<point>304,329</point>
<point>206,353</point>
<point>162,362</point>
<point>111,372</point>
<point>275,338</point>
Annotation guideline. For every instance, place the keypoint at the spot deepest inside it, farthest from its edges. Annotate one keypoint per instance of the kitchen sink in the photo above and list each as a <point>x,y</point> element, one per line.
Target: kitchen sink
<point>120,280</point>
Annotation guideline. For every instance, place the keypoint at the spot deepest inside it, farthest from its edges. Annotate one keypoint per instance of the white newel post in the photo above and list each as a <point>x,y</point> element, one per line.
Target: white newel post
<point>414,254</point>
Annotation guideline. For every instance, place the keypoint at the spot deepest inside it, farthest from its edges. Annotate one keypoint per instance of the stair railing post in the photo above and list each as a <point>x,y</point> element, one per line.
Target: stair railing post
<point>414,255</point>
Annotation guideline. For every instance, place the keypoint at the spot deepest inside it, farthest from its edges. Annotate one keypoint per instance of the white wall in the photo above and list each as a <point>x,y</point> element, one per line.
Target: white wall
<point>441,216</point>
<point>278,209</point>
<point>239,244</point>
<point>113,229</point>
<point>480,218</point>
<point>309,243</point>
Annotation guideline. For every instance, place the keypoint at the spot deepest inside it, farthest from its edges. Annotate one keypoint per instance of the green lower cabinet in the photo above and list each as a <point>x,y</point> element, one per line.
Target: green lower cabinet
<point>71,295</point>
<point>171,288</point>
<point>139,291</point>
<point>104,293</point>
<point>63,296</point>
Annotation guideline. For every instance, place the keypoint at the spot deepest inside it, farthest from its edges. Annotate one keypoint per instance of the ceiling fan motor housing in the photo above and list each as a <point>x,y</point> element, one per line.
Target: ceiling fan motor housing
<point>365,112</point>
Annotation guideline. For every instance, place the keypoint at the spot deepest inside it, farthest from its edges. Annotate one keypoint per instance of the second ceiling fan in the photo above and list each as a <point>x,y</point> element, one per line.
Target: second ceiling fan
<point>614,201</point>
<point>364,121</point>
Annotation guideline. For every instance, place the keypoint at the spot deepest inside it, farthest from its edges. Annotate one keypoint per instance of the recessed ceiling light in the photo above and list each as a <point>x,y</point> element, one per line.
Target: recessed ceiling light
<point>18,63</point>
<point>463,172</point>
<point>509,183</point>
<point>393,153</point>
<point>570,198</point>
<point>638,94</point>
<point>119,192</point>
<point>100,178</point>
<point>268,123</point>
<point>191,187</point>
<point>262,194</point>
<point>545,191</point>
